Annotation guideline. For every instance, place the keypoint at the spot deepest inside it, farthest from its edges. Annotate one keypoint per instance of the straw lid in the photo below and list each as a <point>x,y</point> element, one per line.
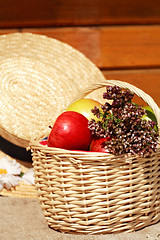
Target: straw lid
<point>39,77</point>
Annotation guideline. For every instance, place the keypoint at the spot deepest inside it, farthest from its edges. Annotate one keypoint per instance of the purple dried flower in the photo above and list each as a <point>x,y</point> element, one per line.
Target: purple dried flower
<point>122,121</point>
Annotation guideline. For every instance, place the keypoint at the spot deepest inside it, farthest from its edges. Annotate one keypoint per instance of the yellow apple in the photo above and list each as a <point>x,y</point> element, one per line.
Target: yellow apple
<point>84,106</point>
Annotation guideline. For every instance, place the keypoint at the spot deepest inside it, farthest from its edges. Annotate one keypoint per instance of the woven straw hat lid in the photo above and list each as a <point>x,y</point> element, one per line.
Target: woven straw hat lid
<point>39,77</point>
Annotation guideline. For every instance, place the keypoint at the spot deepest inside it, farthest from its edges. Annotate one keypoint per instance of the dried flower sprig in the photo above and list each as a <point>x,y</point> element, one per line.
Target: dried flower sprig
<point>122,121</point>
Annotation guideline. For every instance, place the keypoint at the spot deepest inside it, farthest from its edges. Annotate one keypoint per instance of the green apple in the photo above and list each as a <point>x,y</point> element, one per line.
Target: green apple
<point>150,116</point>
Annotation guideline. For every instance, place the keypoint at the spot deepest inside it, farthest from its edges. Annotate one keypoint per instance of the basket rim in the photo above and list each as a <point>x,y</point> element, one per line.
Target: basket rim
<point>82,155</point>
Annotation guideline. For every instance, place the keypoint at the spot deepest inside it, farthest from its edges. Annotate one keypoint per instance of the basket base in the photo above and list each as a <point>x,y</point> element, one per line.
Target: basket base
<point>103,227</point>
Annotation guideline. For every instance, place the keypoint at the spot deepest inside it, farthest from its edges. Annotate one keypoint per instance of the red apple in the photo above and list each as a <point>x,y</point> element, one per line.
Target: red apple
<point>98,144</point>
<point>71,132</point>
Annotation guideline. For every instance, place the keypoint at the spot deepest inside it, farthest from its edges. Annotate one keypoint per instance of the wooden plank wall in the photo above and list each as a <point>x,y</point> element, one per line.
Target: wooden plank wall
<point>121,37</point>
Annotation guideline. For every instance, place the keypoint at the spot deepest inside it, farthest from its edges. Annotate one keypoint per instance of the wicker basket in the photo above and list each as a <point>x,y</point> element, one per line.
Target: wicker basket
<point>95,193</point>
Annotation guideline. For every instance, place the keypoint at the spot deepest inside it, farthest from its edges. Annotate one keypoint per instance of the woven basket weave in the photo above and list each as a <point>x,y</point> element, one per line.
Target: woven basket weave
<point>95,193</point>
<point>39,77</point>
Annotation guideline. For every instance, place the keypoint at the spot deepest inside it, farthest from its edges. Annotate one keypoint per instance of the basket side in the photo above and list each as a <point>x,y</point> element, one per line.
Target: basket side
<point>97,197</point>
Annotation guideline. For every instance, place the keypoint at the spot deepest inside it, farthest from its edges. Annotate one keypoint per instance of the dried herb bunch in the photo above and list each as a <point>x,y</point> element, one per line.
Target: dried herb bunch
<point>122,121</point>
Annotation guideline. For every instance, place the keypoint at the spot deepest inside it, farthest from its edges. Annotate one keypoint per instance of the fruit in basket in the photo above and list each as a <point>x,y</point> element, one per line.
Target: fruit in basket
<point>84,107</point>
<point>70,131</point>
<point>98,145</point>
